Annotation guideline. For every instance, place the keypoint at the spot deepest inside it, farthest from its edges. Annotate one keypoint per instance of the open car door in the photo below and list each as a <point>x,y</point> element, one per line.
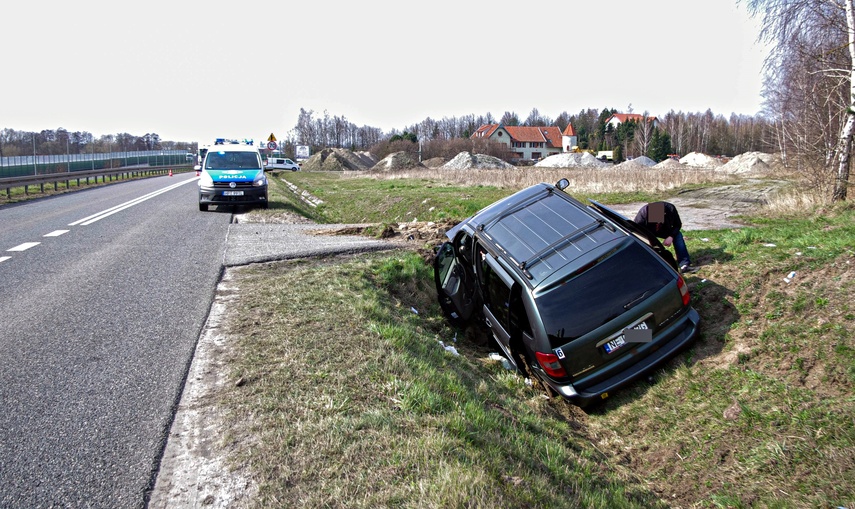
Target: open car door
<point>639,231</point>
<point>455,286</point>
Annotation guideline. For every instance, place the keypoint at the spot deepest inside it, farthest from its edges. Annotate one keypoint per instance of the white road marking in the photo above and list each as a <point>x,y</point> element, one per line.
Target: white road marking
<point>118,208</point>
<point>4,258</point>
<point>24,246</point>
<point>56,233</point>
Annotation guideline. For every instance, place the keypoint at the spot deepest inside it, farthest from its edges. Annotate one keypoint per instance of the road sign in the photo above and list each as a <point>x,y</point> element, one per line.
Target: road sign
<point>271,145</point>
<point>271,137</point>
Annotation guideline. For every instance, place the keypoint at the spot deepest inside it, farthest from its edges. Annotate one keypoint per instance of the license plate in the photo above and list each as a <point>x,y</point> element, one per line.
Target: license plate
<point>232,193</point>
<point>614,344</point>
<point>620,341</point>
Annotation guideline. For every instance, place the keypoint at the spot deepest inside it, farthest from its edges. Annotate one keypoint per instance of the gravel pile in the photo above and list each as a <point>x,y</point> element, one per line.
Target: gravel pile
<point>338,159</point>
<point>398,161</point>
<point>698,160</point>
<point>572,160</point>
<point>669,164</point>
<point>755,163</point>
<point>641,163</point>
<point>468,160</point>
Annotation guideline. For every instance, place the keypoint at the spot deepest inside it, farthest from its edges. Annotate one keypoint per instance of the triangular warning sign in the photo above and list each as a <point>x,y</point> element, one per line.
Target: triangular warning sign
<point>271,137</point>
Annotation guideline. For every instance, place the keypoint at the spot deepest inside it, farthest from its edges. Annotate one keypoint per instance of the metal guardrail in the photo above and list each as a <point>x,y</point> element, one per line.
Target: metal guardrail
<point>107,173</point>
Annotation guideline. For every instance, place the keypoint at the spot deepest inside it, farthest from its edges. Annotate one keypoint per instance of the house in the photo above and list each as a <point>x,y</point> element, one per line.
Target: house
<point>529,143</point>
<point>618,118</point>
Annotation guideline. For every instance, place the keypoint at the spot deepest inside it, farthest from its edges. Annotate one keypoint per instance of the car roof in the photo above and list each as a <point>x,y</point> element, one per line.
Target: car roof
<point>541,230</point>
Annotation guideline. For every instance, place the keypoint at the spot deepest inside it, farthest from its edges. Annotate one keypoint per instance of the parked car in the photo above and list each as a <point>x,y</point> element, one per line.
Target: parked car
<point>281,163</point>
<point>232,174</point>
<point>577,296</point>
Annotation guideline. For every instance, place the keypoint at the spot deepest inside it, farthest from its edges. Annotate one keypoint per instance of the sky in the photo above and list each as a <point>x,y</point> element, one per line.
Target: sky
<point>194,71</point>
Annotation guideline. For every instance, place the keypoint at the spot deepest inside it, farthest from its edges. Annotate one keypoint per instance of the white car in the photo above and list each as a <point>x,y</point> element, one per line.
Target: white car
<point>278,163</point>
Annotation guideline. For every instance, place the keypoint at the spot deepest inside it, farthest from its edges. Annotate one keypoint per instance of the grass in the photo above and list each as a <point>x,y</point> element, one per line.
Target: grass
<point>347,397</point>
<point>343,394</point>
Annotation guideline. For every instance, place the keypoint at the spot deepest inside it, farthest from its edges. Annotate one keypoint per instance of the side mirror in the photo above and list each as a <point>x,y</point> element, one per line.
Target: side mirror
<point>562,184</point>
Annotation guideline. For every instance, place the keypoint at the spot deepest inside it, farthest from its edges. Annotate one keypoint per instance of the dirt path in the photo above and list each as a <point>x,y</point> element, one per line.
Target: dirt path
<point>715,208</point>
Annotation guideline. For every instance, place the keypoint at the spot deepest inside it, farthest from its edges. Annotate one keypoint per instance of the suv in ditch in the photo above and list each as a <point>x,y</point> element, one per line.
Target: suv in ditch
<point>232,173</point>
<point>577,296</point>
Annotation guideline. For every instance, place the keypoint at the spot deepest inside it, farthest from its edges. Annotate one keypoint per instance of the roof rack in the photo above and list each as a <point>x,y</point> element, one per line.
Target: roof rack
<point>525,264</point>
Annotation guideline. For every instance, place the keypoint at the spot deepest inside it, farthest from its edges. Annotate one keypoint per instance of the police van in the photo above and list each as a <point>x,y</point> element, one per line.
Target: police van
<point>232,173</point>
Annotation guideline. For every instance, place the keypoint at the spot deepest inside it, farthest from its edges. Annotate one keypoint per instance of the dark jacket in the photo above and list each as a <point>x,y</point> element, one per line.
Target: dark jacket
<point>668,228</point>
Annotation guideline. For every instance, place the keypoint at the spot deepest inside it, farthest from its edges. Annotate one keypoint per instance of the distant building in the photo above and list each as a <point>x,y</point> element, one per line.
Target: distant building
<point>529,143</point>
<point>619,118</point>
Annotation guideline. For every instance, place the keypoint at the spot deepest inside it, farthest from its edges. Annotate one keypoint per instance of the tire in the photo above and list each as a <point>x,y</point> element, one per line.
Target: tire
<point>203,207</point>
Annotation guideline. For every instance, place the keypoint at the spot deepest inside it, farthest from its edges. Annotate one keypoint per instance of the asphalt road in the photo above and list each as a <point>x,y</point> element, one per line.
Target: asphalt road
<point>99,322</point>
<point>103,295</point>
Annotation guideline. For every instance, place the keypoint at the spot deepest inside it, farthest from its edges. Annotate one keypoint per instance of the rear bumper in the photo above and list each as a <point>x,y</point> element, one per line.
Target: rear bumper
<point>677,337</point>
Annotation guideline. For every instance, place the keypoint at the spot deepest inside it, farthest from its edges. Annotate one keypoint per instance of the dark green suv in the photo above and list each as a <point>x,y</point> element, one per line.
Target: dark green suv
<point>578,296</point>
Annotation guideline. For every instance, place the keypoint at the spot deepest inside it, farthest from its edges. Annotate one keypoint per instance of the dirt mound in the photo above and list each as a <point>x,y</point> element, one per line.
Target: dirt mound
<point>669,164</point>
<point>750,163</point>
<point>698,160</point>
<point>435,162</point>
<point>572,160</point>
<point>398,161</point>
<point>366,158</point>
<point>468,160</point>
<point>641,163</point>
<point>337,159</point>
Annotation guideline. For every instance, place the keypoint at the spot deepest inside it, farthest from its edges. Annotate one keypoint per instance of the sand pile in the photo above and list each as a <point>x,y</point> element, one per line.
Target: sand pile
<point>755,163</point>
<point>467,160</point>
<point>572,160</point>
<point>337,159</point>
<point>698,160</point>
<point>398,161</point>
<point>640,163</point>
<point>669,164</point>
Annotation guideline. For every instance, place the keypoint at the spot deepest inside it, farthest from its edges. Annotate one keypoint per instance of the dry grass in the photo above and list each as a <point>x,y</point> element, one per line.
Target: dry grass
<point>582,180</point>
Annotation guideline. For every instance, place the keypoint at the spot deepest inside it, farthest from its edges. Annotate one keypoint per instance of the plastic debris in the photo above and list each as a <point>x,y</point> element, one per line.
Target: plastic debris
<point>414,310</point>
<point>770,245</point>
<point>499,357</point>
<point>705,239</point>
<point>790,277</point>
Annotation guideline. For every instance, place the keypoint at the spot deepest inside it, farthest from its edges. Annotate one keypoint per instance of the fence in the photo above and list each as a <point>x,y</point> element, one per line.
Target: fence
<point>19,166</point>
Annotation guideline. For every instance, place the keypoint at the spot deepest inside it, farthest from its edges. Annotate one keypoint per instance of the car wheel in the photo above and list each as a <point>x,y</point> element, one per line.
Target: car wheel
<point>203,207</point>
<point>524,366</point>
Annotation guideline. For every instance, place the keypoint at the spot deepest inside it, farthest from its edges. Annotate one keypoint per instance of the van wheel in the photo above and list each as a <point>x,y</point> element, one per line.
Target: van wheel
<point>203,207</point>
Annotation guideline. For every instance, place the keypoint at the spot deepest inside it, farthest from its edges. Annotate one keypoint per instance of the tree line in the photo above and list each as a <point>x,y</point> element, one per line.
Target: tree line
<point>676,132</point>
<point>61,141</point>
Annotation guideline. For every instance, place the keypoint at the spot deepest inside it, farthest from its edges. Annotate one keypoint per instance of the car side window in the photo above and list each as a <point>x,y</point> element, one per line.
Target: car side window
<point>497,294</point>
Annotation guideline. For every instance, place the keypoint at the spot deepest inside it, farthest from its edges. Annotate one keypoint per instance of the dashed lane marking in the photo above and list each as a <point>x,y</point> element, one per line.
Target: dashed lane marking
<point>24,246</point>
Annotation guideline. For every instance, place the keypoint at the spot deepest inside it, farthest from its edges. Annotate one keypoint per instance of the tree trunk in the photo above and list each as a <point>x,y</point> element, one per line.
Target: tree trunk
<point>845,146</point>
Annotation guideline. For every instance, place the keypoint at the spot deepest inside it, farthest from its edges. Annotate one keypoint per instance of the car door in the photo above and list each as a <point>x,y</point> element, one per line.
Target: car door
<point>639,231</point>
<point>455,284</point>
<point>496,285</point>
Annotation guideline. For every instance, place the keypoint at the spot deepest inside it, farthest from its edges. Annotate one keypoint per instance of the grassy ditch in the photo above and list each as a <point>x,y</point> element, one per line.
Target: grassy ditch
<point>343,395</point>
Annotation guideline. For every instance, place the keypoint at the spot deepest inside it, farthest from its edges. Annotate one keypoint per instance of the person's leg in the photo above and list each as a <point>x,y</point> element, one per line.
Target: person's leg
<point>681,251</point>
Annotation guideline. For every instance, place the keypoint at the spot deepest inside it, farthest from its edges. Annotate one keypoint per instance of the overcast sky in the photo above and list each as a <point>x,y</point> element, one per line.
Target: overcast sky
<point>195,71</point>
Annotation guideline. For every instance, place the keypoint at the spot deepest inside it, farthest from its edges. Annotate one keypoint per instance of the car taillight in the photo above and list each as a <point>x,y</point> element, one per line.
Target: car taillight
<point>549,362</point>
<point>684,290</point>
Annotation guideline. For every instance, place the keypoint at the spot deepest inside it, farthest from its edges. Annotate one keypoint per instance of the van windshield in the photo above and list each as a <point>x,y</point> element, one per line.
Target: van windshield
<point>231,160</point>
<point>601,292</point>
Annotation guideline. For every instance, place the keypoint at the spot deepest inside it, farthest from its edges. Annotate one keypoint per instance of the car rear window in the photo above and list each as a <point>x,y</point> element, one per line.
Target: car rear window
<point>601,291</point>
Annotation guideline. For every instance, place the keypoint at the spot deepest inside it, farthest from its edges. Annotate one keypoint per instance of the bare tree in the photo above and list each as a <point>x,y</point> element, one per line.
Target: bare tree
<point>810,80</point>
